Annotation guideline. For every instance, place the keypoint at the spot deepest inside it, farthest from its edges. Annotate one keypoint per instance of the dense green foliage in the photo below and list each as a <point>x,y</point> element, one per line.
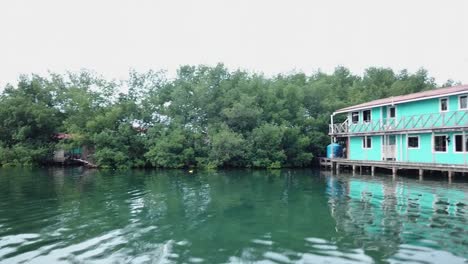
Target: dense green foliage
<point>204,117</point>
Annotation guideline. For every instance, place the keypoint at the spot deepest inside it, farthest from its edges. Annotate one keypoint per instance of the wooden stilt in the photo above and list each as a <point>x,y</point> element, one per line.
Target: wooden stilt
<point>337,165</point>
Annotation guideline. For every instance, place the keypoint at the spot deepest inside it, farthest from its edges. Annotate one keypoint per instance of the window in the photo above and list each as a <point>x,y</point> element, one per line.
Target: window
<point>367,142</point>
<point>463,102</point>
<point>355,117</point>
<point>459,143</point>
<point>392,112</point>
<point>413,141</point>
<point>466,143</point>
<point>440,143</point>
<point>366,115</point>
<point>443,104</point>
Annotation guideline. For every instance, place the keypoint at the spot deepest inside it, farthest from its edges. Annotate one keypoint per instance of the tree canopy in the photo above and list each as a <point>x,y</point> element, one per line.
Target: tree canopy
<point>204,117</point>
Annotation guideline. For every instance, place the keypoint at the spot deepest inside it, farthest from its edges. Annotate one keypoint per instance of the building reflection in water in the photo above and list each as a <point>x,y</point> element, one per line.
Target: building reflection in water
<point>283,216</point>
<point>385,216</point>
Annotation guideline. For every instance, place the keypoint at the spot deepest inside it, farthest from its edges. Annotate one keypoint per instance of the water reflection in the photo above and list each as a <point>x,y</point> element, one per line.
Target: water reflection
<point>234,216</point>
<point>401,220</point>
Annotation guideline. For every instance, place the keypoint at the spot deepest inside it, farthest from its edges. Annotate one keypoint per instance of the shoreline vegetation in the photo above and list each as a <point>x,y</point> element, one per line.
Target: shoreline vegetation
<point>205,117</point>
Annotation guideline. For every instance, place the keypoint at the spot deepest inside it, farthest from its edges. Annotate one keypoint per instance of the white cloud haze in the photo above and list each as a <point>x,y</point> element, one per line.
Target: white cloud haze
<point>112,36</point>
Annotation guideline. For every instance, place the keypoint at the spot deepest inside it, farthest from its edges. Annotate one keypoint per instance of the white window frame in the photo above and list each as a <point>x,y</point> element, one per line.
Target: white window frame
<point>388,112</point>
<point>465,150</point>
<point>459,105</point>
<point>358,117</point>
<point>433,143</point>
<point>440,104</point>
<point>415,136</point>
<point>370,116</point>
<point>364,140</point>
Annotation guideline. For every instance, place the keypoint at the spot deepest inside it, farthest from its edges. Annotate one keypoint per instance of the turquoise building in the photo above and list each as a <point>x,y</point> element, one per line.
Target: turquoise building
<point>424,127</point>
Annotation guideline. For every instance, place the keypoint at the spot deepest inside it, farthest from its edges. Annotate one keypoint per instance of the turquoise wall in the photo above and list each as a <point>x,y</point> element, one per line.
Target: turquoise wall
<point>357,152</point>
<point>428,106</point>
<point>375,113</point>
<point>424,153</point>
<point>425,107</point>
<point>418,108</point>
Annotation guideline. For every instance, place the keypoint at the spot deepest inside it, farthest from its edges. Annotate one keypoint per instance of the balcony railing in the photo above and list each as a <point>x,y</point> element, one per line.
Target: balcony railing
<point>441,120</point>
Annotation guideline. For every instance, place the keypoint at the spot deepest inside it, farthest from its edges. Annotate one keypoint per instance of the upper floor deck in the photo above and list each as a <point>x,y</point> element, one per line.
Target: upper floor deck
<point>428,122</point>
<point>439,109</point>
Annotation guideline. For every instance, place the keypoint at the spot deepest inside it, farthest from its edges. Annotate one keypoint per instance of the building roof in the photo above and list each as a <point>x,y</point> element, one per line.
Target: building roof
<point>435,93</point>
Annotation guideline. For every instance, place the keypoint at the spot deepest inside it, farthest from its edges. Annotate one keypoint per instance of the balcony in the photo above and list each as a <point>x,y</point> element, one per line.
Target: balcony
<point>433,121</point>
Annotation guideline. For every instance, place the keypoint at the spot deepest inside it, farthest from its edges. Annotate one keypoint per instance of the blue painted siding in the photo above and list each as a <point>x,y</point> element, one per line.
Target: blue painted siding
<point>454,117</point>
<point>426,152</point>
<point>375,114</point>
<point>418,108</point>
<point>428,106</point>
<point>422,154</point>
<point>410,113</point>
<point>357,152</point>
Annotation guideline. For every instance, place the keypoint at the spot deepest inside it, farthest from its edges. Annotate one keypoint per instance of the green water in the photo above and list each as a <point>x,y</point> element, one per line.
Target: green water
<point>303,216</point>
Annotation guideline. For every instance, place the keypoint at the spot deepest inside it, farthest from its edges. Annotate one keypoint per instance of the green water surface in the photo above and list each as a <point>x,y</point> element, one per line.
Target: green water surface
<point>287,216</point>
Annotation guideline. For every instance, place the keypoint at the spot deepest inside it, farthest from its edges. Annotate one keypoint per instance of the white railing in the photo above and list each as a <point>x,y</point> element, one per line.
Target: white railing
<point>452,119</point>
<point>340,128</point>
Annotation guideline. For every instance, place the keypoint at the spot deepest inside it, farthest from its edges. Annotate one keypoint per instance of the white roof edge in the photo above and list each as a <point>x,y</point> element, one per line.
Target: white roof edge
<point>401,102</point>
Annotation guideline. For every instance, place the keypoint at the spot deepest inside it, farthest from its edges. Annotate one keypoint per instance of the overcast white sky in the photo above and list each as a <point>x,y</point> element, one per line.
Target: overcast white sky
<point>112,36</point>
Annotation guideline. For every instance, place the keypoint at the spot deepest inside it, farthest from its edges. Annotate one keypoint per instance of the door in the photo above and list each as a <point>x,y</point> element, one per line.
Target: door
<point>344,143</point>
<point>389,147</point>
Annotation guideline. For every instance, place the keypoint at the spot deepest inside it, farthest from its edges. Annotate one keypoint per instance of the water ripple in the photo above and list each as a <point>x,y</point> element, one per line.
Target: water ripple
<point>235,216</point>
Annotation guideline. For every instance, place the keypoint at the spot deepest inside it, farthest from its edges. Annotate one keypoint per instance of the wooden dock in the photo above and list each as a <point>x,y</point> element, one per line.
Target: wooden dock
<point>394,166</point>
